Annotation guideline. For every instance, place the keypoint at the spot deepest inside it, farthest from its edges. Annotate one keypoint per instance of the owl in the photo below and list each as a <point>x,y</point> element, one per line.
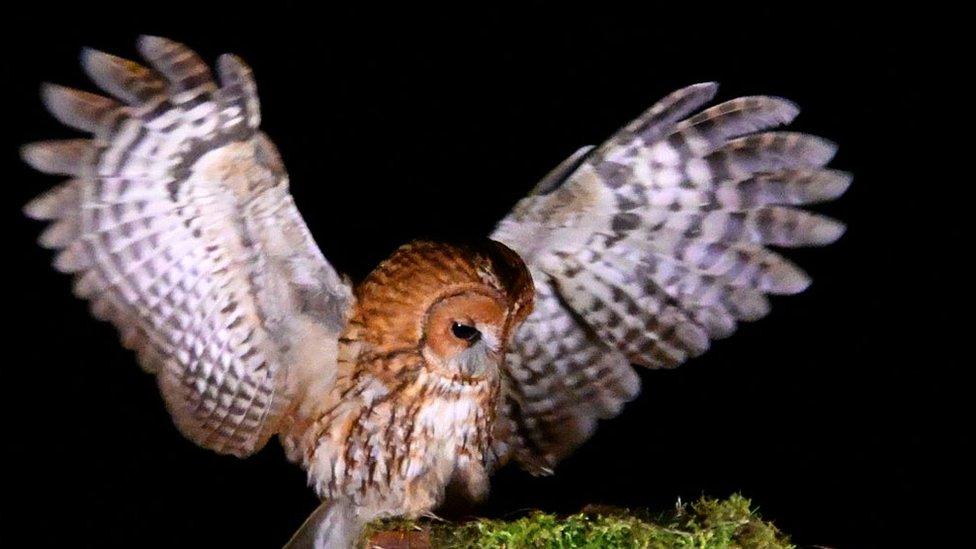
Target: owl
<point>449,360</point>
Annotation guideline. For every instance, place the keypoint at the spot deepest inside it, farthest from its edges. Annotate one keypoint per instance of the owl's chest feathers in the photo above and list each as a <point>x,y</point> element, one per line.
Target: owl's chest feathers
<point>393,433</point>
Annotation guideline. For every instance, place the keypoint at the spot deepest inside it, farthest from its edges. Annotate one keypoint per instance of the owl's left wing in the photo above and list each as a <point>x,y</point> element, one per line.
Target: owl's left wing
<point>179,228</point>
<point>646,248</point>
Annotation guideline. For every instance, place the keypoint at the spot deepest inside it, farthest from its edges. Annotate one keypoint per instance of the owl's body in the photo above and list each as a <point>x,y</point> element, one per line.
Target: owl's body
<point>399,421</point>
<point>448,360</point>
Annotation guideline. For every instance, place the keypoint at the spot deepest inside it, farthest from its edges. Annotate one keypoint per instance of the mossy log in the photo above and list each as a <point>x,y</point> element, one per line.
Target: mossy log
<point>705,524</point>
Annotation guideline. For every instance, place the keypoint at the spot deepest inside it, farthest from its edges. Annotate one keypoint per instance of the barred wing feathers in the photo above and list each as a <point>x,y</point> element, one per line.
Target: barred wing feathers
<point>648,247</point>
<point>179,228</point>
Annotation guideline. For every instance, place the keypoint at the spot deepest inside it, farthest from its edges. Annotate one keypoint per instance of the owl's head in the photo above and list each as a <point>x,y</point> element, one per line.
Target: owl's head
<point>456,306</point>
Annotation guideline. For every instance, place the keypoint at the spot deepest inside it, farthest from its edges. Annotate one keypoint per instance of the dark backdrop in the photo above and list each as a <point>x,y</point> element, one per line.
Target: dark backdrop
<point>830,413</point>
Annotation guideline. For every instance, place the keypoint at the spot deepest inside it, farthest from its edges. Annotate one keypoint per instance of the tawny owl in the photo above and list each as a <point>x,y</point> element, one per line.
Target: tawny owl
<point>448,360</point>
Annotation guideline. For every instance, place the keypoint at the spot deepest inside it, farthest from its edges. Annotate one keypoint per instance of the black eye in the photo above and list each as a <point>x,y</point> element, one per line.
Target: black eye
<point>465,332</point>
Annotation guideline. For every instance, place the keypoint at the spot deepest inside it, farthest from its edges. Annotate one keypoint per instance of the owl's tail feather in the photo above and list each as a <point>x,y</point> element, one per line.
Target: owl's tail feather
<point>335,524</point>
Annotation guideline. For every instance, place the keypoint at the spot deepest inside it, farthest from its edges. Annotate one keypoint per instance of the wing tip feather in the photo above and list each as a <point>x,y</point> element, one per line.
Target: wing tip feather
<point>54,98</point>
<point>35,209</point>
<point>51,93</point>
<point>150,45</point>
<point>788,282</point>
<point>707,89</point>
<point>787,109</point>
<point>836,183</point>
<point>826,231</point>
<point>94,61</point>
<point>820,149</point>
<point>37,155</point>
<point>708,85</point>
<point>229,63</point>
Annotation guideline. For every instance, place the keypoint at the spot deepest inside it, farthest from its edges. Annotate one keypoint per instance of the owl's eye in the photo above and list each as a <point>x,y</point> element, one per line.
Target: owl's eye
<point>465,332</point>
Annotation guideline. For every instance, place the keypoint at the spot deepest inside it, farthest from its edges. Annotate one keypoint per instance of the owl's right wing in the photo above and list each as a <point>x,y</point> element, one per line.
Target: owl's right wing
<point>647,247</point>
<point>180,230</point>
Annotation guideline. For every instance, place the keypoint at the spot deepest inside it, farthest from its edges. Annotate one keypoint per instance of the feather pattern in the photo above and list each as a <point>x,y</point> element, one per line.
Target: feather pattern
<point>561,378</point>
<point>180,230</point>
<point>649,247</point>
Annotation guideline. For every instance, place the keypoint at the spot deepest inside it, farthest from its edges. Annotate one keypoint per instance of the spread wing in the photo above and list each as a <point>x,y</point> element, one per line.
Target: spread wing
<point>646,248</point>
<point>180,230</point>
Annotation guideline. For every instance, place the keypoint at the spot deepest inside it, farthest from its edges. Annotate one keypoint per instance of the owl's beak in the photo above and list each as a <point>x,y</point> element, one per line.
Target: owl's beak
<point>490,339</point>
<point>481,357</point>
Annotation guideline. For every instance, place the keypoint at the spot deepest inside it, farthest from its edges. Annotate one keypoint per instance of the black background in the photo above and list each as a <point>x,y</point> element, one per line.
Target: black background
<point>835,414</point>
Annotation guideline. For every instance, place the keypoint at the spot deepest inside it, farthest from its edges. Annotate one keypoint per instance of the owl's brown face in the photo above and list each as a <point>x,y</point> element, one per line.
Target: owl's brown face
<point>464,334</point>
<point>455,306</point>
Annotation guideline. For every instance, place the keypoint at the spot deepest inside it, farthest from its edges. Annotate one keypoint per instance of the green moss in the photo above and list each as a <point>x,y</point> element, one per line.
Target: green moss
<point>707,523</point>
